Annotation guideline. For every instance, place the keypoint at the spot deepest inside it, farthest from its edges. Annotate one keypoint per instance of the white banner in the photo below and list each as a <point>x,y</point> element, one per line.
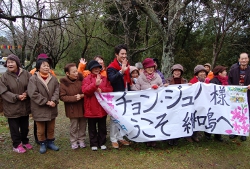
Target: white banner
<point>178,110</point>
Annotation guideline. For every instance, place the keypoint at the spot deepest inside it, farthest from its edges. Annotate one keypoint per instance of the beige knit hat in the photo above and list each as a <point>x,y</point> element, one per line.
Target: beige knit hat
<point>199,68</point>
<point>177,66</point>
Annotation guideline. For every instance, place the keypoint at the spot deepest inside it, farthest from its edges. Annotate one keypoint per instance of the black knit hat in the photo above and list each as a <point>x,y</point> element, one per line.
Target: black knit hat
<point>92,64</point>
<point>14,58</point>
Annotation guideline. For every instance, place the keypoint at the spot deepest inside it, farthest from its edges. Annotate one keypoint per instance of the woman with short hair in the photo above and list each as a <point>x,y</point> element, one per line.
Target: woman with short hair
<point>43,89</point>
<point>72,96</point>
<point>16,103</point>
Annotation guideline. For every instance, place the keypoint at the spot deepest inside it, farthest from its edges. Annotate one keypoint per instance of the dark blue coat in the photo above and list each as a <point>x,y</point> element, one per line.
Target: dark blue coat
<point>116,80</point>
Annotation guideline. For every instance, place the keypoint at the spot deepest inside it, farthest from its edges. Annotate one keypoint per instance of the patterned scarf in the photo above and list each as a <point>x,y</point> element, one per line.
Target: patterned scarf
<point>149,76</point>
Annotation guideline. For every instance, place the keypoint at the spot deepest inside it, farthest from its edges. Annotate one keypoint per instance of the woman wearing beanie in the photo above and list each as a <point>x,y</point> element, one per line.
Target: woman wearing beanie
<point>148,79</point>
<point>96,115</point>
<point>16,103</point>
<point>176,78</point>
<point>43,89</point>
<point>200,75</point>
<point>72,96</point>
<point>220,78</point>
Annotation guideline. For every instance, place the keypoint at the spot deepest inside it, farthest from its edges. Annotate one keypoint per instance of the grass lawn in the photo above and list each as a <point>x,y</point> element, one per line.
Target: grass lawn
<point>206,154</point>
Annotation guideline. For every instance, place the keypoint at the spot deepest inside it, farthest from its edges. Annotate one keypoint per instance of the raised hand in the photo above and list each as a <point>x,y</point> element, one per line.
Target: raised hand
<point>124,65</point>
<point>98,80</point>
<point>83,61</point>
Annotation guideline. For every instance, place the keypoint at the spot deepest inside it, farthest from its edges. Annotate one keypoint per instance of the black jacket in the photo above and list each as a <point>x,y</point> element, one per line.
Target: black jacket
<point>215,80</point>
<point>116,80</point>
<point>234,77</point>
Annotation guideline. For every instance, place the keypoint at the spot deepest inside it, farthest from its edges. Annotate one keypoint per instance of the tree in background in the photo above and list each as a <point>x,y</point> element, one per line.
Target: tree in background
<point>228,18</point>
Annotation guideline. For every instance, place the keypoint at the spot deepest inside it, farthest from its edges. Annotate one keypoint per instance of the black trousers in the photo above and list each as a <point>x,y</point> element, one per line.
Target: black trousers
<point>19,129</point>
<point>215,135</point>
<point>97,138</point>
<point>35,132</point>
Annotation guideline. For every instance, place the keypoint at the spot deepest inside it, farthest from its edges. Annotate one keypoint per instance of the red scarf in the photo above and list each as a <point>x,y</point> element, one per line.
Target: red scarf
<point>126,77</point>
<point>222,79</point>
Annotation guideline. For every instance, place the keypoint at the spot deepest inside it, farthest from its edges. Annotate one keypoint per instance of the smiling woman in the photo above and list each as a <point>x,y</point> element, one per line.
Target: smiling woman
<point>16,104</point>
<point>43,89</point>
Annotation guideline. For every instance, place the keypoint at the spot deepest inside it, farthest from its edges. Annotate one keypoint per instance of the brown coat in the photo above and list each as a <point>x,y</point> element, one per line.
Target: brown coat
<point>40,92</point>
<point>11,86</point>
<point>68,90</point>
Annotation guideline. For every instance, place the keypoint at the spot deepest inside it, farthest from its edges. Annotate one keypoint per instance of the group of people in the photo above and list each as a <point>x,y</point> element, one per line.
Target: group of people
<point>38,92</point>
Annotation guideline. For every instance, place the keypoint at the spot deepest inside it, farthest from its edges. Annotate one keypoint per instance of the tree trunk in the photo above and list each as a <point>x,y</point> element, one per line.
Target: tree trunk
<point>23,54</point>
<point>167,57</point>
<point>167,28</point>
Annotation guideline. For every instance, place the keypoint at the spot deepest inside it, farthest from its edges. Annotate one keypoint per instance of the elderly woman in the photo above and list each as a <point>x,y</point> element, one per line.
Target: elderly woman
<point>16,104</point>
<point>148,79</point>
<point>72,96</point>
<point>96,115</point>
<point>220,78</point>
<point>41,56</point>
<point>43,89</point>
<point>176,78</point>
<point>200,75</point>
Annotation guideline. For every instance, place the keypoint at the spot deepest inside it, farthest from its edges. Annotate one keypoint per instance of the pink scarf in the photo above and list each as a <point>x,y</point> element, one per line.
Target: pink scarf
<point>149,76</point>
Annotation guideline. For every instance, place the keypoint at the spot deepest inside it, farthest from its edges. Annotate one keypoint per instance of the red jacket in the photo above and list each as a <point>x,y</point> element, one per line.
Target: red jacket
<point>92,107</point>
